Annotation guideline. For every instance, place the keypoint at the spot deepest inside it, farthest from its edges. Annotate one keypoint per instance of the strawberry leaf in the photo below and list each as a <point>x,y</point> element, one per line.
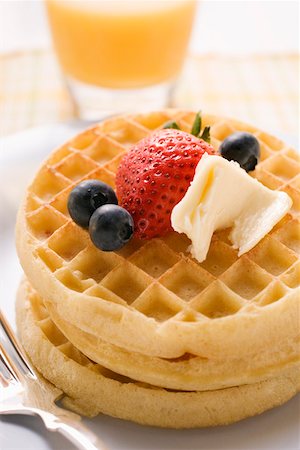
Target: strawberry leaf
<point>206,135</point>
<point>196,128</point>
<point>171,124</point>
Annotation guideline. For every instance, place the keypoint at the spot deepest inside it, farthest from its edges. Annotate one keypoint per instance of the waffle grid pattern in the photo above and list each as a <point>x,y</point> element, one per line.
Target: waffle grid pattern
<point>156,279</point>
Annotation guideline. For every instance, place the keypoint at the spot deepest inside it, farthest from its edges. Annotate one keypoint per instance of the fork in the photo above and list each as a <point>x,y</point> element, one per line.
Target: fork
<point>25,392</point>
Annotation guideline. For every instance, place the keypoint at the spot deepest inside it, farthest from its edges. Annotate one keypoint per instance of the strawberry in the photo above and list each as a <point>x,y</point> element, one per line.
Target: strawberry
<point>154,176</point>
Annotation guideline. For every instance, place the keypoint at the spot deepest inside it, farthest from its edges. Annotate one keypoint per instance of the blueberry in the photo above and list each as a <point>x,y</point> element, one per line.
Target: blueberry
<point>111,227</point>
<point>86,197</point>
<point>241,147</point>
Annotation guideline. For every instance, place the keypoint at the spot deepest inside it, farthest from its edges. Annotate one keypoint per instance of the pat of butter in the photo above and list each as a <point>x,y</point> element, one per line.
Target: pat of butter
<point>223,195</point>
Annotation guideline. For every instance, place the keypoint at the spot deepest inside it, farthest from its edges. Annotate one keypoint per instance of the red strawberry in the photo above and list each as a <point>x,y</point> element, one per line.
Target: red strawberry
<point>154,176</point>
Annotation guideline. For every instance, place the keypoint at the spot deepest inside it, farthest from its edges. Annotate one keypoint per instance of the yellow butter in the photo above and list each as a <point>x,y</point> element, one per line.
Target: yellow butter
<point>223,195</point>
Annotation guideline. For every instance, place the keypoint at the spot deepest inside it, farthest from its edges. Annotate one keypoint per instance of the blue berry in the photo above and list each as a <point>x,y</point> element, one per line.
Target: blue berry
<point>241,147</point>
<point>86,197</point>
<point>111,227</point>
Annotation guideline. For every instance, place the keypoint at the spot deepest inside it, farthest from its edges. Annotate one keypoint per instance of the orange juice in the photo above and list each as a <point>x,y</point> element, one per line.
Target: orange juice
<point>121,44</point>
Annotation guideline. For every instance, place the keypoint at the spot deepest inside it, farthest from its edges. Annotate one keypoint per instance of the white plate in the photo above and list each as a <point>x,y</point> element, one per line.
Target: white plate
<point>276,429</point>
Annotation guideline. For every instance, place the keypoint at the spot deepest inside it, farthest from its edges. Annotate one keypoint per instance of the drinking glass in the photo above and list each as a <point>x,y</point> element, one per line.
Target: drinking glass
<point>120,55</point>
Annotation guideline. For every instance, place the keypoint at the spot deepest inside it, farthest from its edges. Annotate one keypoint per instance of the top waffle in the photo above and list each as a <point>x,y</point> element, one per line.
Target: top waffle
<point>152,297</point>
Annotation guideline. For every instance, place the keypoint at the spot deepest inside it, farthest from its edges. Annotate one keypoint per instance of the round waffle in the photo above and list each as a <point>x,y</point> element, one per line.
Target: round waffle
<point>152,297</point>
<point>91,389</point>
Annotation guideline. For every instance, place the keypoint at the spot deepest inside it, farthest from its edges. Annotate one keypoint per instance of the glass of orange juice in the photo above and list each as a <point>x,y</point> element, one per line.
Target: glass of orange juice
<point>120,55</point>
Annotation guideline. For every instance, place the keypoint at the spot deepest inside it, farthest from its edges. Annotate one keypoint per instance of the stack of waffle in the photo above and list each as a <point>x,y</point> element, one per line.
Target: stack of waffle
<point>147,333</point>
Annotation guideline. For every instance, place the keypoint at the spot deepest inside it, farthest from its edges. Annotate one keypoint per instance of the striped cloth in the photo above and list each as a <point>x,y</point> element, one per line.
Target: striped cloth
<point>262,90</point>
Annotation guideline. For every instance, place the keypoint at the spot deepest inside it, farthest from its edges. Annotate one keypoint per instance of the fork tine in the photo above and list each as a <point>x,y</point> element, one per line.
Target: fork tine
<point>8,364</point>
<point>21,358</point>
<point>6,376</point>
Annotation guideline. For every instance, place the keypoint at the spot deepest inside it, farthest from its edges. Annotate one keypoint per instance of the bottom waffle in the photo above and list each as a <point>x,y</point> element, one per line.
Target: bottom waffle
<point>187,373</point>
<point>91,389</point>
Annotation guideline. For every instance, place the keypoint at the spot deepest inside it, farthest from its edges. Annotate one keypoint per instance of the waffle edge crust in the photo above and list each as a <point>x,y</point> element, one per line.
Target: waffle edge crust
<point>151,297</point>
<point>91,389</point>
